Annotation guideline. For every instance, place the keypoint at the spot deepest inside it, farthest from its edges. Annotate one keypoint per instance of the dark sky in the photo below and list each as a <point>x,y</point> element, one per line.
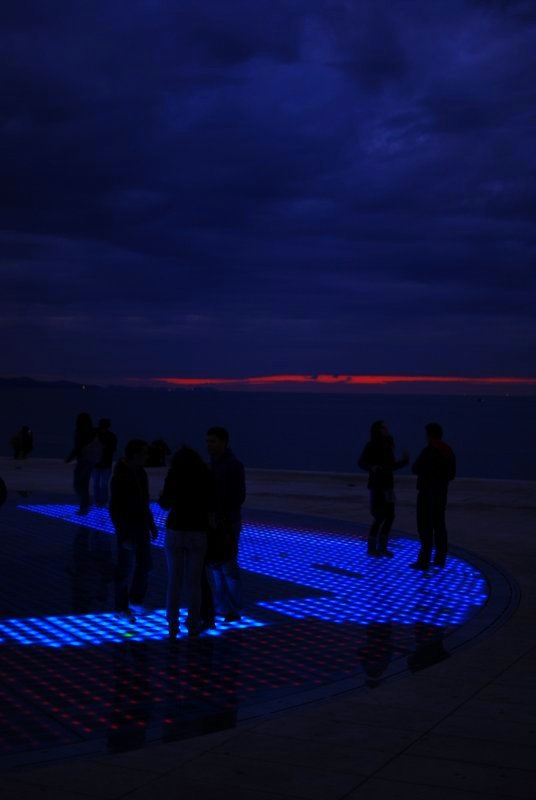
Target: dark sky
<point>232,188</point>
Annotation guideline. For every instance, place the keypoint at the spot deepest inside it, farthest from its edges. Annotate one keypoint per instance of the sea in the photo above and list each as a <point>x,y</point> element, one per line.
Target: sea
<point>493,436</point>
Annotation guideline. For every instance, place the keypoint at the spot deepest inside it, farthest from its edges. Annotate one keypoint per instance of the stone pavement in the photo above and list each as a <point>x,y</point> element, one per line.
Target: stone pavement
<point>465,728</point>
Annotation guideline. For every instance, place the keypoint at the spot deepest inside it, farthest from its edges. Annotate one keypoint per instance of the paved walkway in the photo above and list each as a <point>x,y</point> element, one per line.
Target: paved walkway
<point>465,728</point>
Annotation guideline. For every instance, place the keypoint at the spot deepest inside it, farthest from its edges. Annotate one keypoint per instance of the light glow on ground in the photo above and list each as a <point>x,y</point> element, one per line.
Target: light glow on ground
<point>335,582</point>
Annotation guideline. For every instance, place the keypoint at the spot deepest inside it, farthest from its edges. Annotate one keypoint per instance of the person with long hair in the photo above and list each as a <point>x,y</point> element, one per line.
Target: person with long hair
<point>378,459</point>
<point>103,468</point>
<point>189,496</point>
<point>86,451</point>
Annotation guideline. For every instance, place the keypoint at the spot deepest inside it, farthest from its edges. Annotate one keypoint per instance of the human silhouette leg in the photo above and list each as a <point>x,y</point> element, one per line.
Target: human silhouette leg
<point>440,530</point>
<point>81,479</point>
<point>207,602</point>
<point>377,510</point>
<point>425,530</point>
<point>196,542</point>
<point>174,551</point>
<point>385,529</point>
<point>232,590</point>
<point>140,579</point>
<point>125,560</point>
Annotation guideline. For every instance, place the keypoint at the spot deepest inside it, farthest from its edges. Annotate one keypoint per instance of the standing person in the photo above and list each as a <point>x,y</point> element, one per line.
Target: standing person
<point>435,467</point>
<point>134,526</point>
<point>87,452</point>
<point>378,458</point>
<point>103,468</point>
<point>189,496</point>
<point>22,442</point>
<point>230,493</point>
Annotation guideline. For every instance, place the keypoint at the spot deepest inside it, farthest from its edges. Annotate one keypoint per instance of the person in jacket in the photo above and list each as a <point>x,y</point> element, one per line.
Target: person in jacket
<point>229,495</point>
<point>87,452</point>
<point>435,467</point>
<point>103,468</point>
<point>378,459</point>
<point>134,524</point>
<point>188,495</point>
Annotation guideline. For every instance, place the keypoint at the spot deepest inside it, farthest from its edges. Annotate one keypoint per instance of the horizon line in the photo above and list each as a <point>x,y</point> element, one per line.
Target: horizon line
<point>326,379</point>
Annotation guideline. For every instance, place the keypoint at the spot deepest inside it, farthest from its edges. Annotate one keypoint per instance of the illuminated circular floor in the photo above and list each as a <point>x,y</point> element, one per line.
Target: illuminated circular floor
<point>321,617</point>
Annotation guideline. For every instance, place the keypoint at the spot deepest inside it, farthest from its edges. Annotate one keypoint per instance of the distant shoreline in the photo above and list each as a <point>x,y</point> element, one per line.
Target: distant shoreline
<point>480,391</point>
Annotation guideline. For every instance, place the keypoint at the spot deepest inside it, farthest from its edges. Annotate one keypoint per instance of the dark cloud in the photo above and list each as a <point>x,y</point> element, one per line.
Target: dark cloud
<point>320,186</point>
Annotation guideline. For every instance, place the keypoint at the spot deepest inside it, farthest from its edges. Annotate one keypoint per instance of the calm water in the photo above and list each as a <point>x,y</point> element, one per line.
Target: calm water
<point>494,437</point>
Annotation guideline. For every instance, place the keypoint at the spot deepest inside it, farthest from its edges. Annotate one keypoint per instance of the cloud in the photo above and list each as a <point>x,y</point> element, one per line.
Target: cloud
<point>283,181</point>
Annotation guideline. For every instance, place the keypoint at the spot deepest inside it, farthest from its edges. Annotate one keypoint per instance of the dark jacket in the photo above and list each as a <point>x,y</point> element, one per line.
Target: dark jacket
<point>229,487</point>
<point>129,502</point>
<point>378,458</point>
<point>435,467</point>
<point>108,442</point>
<point>190,496</point>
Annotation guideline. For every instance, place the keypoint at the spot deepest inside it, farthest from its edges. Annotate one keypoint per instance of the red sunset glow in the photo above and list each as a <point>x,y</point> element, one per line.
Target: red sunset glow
<point>348,380</point>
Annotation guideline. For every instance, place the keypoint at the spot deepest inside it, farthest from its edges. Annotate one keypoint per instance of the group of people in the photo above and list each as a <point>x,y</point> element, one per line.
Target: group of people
<point>435,467</point>
<point>204,502</point>
<point>202,529</point>
<point>203,526</point>
<point>93,451</point>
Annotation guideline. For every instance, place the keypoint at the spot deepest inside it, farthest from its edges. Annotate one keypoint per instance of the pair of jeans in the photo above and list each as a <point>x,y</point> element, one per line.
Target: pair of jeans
<point>81,478</point>
<point>226,585</point>
<point>101,481</point>
<point>185,556</point>
<point>135,554</point>
<point>224,576</point>
<point>431,526</point>
<point>382,509</point>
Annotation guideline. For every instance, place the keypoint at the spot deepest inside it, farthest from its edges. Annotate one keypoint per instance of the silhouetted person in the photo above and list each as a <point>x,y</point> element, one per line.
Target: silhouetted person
<point>103,468</point>
<point>158,453</point>
<point>189,495</point>
<point>87,451</point>
<point>3,492</point>
<point>134,526</point>
<point>435,467</point>
<point>378,458</point>
<point>22,442</point>
<point>230,493</point>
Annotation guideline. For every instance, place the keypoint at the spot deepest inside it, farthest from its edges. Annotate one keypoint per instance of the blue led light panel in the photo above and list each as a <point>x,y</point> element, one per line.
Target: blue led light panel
<point>353,587</point>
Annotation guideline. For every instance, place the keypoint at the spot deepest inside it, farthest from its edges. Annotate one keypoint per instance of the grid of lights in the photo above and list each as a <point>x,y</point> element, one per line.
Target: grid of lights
<point>97,629</point>
<point>347,585</point>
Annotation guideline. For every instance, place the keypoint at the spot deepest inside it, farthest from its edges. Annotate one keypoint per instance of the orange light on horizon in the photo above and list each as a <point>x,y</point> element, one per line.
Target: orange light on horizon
<point>347,380</point>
